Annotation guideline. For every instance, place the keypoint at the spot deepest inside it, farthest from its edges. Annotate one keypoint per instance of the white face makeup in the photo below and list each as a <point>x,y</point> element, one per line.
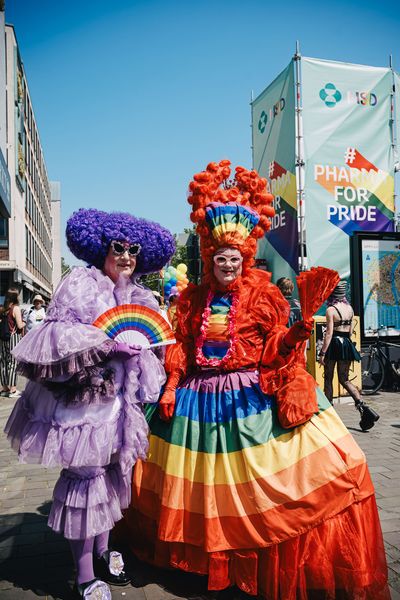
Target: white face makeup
<point>120,260</point>
<point>227,265</point>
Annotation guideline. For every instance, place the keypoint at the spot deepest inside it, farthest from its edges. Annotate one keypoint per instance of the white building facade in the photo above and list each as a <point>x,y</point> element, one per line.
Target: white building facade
<point>27,261</point>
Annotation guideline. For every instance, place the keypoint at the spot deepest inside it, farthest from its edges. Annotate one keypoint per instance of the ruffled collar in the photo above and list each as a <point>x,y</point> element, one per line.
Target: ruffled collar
<point>125,290</point>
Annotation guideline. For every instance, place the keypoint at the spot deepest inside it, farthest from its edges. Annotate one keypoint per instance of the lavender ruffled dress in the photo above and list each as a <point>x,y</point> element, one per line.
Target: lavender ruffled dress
<point>80,410</point>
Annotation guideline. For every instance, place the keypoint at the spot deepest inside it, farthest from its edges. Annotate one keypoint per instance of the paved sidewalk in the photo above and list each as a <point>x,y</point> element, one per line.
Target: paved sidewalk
<point>36,562</point>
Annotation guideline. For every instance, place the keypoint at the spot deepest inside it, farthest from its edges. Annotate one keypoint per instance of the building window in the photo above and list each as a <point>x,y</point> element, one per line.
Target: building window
<point>3,233</point>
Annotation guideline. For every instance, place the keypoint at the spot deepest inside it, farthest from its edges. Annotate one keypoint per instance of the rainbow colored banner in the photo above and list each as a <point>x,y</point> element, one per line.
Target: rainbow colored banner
<point>273,124</point>
<point>348,153</point>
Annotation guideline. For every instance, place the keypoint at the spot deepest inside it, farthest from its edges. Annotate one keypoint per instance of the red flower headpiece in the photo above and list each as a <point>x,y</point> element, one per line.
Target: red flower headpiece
<point>247,189</point>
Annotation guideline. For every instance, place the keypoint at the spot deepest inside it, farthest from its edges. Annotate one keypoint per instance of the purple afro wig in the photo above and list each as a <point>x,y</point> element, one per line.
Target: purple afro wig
<point>90,231</point>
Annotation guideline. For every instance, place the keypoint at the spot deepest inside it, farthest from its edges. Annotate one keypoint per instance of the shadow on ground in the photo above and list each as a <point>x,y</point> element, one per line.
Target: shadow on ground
<point>177,583</point>
<point>34,559</point>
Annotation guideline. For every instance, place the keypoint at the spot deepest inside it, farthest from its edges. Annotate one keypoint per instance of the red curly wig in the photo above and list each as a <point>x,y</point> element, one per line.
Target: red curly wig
<point>247,189</point>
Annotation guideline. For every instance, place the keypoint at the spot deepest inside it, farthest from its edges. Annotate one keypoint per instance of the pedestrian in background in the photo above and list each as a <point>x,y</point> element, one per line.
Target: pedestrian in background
<point>162,307</point>
<point>338,350</point>
<point>172,304</point>
<point>36,314</point>
<point>286,286</point>
<point>11,328</point>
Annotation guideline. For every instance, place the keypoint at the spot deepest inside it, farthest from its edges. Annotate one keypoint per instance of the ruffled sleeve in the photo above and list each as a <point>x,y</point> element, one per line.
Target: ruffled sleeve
<point>271,311</point>
<point>66,342</point>
<point>145,376</point>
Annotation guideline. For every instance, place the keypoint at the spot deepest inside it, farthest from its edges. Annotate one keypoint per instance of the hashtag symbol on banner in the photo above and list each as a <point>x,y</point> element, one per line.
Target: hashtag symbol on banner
<point>350,155</point>
<point>271,169</point>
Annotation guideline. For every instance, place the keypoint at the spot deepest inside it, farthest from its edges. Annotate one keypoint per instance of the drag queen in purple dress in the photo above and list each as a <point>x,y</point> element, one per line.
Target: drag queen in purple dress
<point>81,408</point>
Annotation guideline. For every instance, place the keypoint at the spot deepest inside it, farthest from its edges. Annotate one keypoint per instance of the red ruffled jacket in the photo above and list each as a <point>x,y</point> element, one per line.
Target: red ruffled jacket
<point>259,327</point>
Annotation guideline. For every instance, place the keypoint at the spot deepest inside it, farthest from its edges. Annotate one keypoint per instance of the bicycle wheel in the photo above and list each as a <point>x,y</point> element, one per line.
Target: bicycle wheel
<point>372,372</point>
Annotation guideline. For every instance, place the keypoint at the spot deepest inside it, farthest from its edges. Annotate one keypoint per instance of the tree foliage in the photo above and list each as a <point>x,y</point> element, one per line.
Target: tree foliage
<point>65,268</point>
<point>154,281</point>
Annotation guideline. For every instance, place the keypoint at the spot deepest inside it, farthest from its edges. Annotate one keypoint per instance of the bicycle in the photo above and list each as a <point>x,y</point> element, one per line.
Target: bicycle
<point>375,364</point>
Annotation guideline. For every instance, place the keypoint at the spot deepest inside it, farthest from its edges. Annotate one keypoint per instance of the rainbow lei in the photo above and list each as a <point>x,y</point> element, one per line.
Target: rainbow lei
<point>201,360</point>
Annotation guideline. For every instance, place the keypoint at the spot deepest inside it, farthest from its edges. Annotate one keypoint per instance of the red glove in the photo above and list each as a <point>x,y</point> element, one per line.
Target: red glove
<point>122,351</point>
<point>299,332</point>
<point>167,404</point>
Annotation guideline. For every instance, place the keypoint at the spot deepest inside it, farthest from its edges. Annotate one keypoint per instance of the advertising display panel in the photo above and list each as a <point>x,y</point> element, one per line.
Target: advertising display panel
<point>273,126</point>
<point>348,154</point>
<point>376,283</point>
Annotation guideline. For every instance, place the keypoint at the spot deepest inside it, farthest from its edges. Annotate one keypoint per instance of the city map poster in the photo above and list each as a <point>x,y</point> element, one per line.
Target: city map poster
<point>348,154</point>
<point>380,278</point>
<point>273,126</point>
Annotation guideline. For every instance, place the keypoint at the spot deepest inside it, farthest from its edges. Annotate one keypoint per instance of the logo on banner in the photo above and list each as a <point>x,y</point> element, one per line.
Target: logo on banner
<point>262,123</point>
<point>362,98</point>
<point>273,112</point>
<point>330,95</point>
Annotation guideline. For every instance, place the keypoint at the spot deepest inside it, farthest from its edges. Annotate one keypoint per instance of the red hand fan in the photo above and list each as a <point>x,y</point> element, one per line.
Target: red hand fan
<point>315,286</point>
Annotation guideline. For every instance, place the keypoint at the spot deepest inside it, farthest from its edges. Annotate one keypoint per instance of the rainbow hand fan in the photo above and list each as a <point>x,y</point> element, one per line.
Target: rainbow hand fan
<point>136,325</point>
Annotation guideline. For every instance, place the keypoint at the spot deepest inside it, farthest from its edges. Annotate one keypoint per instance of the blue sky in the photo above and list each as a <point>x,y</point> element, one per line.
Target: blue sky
<point>133,97</point>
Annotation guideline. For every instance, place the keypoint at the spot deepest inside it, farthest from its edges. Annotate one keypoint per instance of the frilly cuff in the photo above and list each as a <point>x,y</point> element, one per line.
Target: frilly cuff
<point>145,376</point>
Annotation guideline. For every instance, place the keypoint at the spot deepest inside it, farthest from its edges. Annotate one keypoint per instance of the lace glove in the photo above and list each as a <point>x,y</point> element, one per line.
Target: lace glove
<point>167,402</point>
<point>298,333</point>
<point>122,351</point>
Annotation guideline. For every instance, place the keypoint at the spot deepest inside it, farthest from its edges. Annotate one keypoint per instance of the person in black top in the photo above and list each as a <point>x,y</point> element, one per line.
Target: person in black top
<point>338,349</point>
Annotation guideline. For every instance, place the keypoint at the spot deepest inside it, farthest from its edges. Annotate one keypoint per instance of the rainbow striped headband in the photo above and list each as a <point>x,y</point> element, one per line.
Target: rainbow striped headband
<point>230,218</point>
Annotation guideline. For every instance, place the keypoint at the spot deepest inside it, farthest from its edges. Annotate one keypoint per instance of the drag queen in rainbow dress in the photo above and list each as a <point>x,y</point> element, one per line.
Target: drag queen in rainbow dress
<point>82,406</point>
<point>251,478</point>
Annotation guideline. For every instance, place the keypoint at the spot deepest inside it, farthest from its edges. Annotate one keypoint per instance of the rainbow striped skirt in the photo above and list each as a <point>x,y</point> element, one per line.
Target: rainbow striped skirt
<point>228,493</point>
